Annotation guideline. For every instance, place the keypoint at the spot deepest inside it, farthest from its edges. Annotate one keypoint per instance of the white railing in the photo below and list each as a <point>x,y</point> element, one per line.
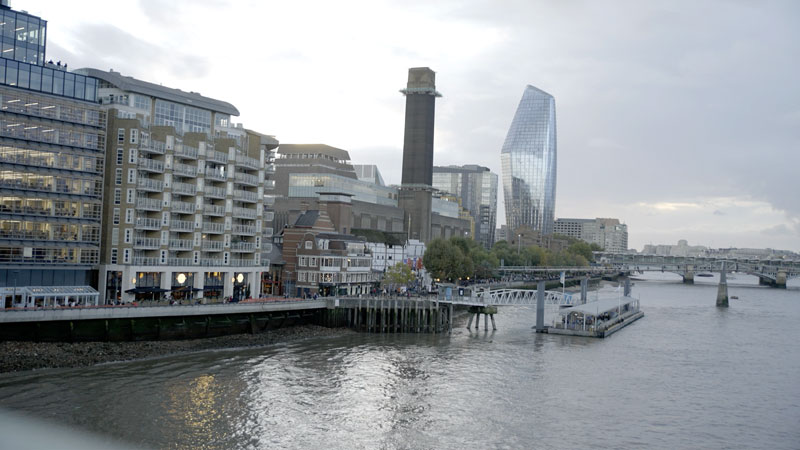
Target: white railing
<point>214,210</point>
<point>145,261</point>
<point>181,225</point>
<point>240,262</point>
<point>244,212</point>
<point>246,178</point>
<point>183,207</point>
<point>216,156</point>
<point>247,161</point>
<point>146,223</point>
<point>269,184</point>
<point>185,170</point>
<point>269,216</point>
<point>211,261</point>
<point>269,200</point>
<point>184,151</point>
<point>243,246</point>
<point>244,229</point>
<point>145,242</point>
<point>150,204</point>
<point>151,164</point>
<point>150,185</point>
<point>154,147</point>
<point>215,174</point>
<point>181,244</point>
<point>245,196</point>
<point>180,261</point>
<point>184,188</point>
<point>215,192</point>
<point>269,168</point>
<point>213,246</point>
<point>211,227</point>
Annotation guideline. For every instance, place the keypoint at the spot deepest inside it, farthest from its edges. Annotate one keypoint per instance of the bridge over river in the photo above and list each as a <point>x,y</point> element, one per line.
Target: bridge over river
<point>770,272</point>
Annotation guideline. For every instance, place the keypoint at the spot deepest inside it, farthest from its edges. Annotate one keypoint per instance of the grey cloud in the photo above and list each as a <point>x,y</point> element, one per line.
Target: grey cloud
<point>108,47</point>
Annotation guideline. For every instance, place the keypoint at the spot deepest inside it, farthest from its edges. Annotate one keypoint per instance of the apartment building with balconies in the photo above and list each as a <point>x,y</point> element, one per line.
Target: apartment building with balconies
<point>185,215</point>
<point>52,155</point>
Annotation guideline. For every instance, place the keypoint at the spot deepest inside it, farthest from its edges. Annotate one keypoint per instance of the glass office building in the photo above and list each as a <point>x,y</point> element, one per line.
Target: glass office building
<point>529,163</point>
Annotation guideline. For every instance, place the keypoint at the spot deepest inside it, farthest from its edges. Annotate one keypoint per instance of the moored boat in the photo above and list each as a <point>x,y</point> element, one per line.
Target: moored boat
<point>599,318</point>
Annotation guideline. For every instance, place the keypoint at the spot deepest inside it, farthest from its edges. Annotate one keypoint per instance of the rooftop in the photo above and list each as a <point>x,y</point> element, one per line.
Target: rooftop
<point>314,149</point>
<point>131,84</point>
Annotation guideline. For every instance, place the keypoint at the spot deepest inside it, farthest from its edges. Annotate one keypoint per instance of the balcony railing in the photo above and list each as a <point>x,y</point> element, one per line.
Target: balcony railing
<point>269,200</point>
<point>212,246</point>
<point>217,157</point>
<point>181,225</point>
<point>184,188</point>
<point>211,261</point>
<point>245,196</point>
<point>151,185</point>
<point>185,170</point>
<point>146,243</point>
<point>180,261</point>
<point>145,261</point>
<point>215,192</point>
<point>269,216</point>
<point>244,230</point>
<point>214,228</point>
<point>149,204</point>
<point>214,210</point>
<point>151,165</point>
<point>246,178</point>
<point>183,207</point>
<point>181,244</point>
<point>241,262</point>
<point>146,223</point>
<point>243,246</point>
<point>215,174</point>
<point>184,151</point>
<point>247,161</point>
<point>269,168</point>
<point>154,147</point>
<point>269,184</point>
<point>244,213</point>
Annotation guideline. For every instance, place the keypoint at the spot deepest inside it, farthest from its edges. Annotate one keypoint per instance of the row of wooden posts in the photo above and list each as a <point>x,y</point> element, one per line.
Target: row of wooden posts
<point>396,316</point>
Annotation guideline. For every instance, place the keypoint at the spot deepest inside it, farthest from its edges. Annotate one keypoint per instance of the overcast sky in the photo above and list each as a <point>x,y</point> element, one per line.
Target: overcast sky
<point>680,118</point>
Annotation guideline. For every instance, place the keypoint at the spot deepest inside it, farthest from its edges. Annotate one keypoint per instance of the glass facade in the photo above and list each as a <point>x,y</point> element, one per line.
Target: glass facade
<point>184,119</point>
<point>476,186</point>
<point>23,37</point>
<point>310,185</point>
<point>529,163</point>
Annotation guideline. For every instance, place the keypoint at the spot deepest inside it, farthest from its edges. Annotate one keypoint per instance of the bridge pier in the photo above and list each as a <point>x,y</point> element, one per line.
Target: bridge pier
<point>780,280</point>
<point>688,275</point>
<point>540,307</point>
<point>722,290</point>
<point>584,291</point>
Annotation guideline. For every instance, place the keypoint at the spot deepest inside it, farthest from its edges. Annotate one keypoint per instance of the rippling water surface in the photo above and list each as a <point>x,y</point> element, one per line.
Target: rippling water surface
<point>688,375</point>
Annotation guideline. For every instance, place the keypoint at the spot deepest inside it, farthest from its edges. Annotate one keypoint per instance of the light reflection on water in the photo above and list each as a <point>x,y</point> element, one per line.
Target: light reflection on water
<point>688,375</point>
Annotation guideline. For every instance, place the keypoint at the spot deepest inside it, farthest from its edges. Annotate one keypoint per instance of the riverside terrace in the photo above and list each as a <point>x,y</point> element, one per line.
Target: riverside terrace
<point>381,315</point>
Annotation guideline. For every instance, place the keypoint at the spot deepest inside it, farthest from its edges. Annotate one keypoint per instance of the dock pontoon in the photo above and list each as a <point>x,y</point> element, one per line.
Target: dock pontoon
<point>599,318</point>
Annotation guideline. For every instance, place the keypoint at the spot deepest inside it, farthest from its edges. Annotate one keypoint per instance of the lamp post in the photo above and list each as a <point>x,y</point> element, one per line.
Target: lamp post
<point>519,243</point>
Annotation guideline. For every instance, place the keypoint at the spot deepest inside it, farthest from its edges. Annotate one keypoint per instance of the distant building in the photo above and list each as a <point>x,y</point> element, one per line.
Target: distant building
<point>526,236</point>
<point>609,234</point>
<point>529,163</point>
<point>187,212</point>
<point>476,188</point>
<point>307,172</point>
<point>682,249</point>
<point>501,234</point>
<point>52,158</point>
<point>322,262</point>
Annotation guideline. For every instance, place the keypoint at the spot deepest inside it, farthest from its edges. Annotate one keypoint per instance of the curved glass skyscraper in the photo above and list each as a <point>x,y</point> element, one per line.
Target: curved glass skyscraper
<point>529,163</point>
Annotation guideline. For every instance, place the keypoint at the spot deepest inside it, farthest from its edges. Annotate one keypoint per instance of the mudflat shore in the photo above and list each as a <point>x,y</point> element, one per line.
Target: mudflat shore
<point>17,356</point>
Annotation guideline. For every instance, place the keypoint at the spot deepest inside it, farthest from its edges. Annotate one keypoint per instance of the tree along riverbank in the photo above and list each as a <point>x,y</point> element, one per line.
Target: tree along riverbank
<point>18,356</point>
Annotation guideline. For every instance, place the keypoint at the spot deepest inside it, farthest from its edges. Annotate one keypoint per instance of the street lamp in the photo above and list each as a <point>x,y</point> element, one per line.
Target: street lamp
<point>519,242</point>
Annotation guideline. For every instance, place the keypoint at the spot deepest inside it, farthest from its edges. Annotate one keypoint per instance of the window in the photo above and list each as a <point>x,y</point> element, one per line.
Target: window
<point>312,262</point>
<point>309,245</point>
<point>132,155</point>
<point>128,234</point>
<point>134,136</point>
<point>113,256</point>
<point>129,196</point>
<point>131,176</point>
<point>118,177</point>
<point>141,102</point>
<point>126,256</point>
<point>120,156</point>
<point>115,217</point>
<point>117,196</point>
<point>121,136</point>
<point>114,236</point>
<point>302,262</point>
<point>128,215</point>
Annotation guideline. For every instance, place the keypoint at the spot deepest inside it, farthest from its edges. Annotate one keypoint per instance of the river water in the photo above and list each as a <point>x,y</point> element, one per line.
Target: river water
<point>688,375</point>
